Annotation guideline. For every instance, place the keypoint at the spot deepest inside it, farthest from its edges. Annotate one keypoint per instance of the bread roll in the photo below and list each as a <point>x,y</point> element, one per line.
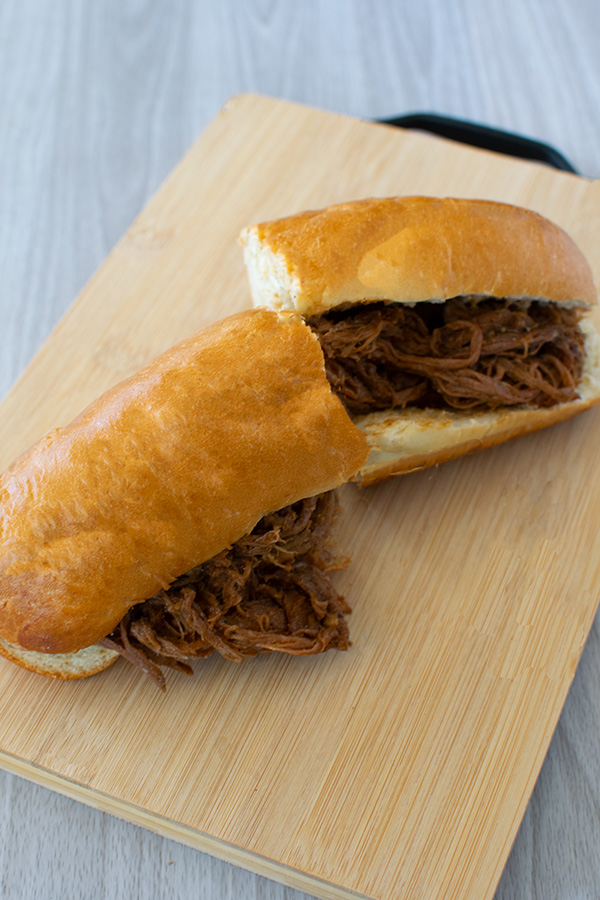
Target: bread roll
<point>161,473</point>
<point>416,250</point>
<point>412,250</point>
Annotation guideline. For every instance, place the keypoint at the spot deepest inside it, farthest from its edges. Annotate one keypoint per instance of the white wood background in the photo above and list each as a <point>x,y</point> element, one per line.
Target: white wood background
<point>98,101</point>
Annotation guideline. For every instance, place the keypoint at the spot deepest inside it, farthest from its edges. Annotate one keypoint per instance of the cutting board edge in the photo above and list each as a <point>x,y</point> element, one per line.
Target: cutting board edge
<point>242,97</point>
<point>174,831</point>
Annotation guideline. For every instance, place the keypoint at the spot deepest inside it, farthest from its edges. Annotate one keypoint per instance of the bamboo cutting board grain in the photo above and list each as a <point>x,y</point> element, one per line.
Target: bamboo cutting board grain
<point>401,768</point>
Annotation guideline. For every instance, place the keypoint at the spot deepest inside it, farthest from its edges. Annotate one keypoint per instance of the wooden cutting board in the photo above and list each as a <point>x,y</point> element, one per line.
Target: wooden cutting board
<point>402,767</point>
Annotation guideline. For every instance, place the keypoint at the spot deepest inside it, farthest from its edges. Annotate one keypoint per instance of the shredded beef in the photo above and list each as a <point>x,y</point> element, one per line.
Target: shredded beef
<point>464,353</point>
<point>270,591</point>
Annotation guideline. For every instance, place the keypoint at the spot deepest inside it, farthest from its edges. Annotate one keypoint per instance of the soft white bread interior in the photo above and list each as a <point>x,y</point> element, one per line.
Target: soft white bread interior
<point>414,250</point>
<point>161,473</point>
<point>63,666</point>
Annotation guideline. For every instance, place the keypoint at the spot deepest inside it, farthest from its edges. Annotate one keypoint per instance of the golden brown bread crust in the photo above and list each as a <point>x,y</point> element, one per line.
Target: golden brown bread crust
<point>419,249</point>
<point>411,250</point>
<point>162,472</point>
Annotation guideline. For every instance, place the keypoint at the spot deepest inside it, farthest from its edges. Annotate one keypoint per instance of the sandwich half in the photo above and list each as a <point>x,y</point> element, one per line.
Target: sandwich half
<point>186,511</point>
<point>447,325</point>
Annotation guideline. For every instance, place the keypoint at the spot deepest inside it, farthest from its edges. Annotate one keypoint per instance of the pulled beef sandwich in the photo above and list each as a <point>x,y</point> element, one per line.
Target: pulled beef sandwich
<point>186,511</point>
<point>447,325</point>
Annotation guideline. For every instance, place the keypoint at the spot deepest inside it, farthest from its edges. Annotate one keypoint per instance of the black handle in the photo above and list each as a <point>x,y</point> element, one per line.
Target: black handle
<point>484,137</point>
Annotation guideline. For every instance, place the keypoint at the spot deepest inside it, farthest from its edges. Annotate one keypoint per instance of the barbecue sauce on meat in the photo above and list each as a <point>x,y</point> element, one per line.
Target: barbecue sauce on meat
<point>270,591</point>
<point>462,354</point>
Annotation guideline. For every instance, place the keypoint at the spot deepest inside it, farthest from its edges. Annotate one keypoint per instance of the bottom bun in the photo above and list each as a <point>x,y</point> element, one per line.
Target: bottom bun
<point>85,662</point>
<point>407,440</point>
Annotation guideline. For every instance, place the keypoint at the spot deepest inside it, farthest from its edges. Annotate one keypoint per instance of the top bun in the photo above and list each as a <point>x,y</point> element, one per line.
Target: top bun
<point>164,471</point>
<point>412,250</point>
